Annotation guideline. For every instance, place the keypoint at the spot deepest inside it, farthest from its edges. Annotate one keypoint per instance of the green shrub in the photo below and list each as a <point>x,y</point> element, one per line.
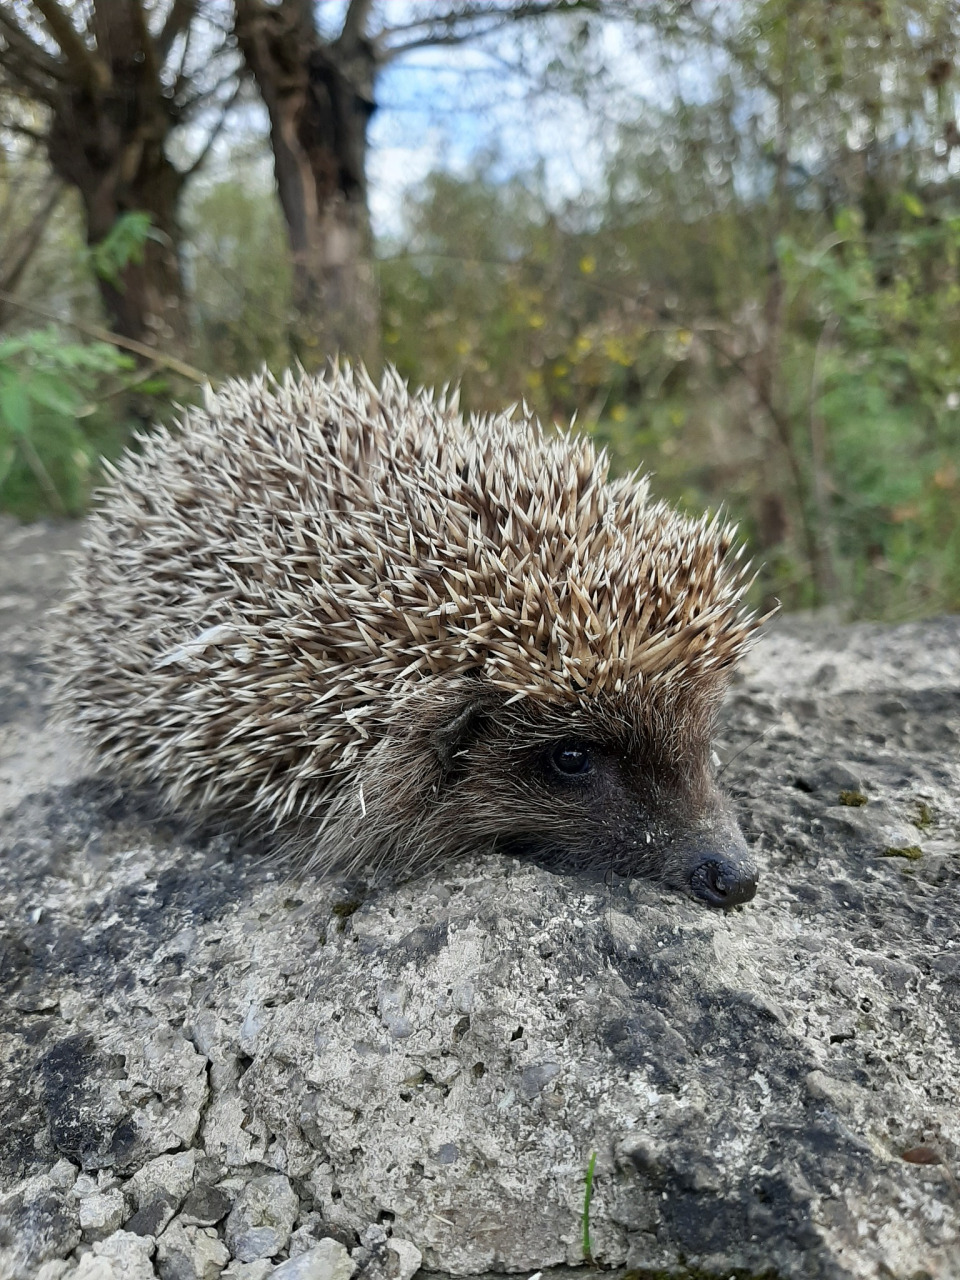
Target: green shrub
<point>58,416</point>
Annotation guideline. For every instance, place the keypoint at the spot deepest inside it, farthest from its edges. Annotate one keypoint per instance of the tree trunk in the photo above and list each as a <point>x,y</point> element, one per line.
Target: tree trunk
<point>107,140</point>
<point>319,97</point>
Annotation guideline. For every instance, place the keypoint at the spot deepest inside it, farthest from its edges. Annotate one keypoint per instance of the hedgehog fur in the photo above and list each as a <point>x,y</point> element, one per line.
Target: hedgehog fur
<point>340,614</point>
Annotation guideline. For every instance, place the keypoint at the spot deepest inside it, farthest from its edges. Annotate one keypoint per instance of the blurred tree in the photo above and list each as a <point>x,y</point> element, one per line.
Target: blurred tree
<point>56,419</point>
<point>762,305</point>
<point>807,124</point>
<point>115,85</point>
<point>240,273</point>
<point>758,298</point>
<point>320,92</point>
<point>29,195</point>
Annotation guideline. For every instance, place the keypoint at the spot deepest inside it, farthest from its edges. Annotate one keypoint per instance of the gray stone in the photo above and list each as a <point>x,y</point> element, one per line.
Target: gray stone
<point>190,1253</point>
<point>258,1270</point>
<point>39,1220</point>
<point>205,1206</point>
<point>122,1256</point>
<point>153,1215</point>
<point>383,1257</point>
<point>447,1055</point>
<point>158,1189</point>
<point>533,1080</point>
<point>54,1270</point>
<point>404,1259</point>
<point>170,1175</point>
<point>391,999</point>
<point>261,1221</point>
<point>101,1213</point>
<point>310,1230</point>
<point>832,778</point>
<point>327,1260</point>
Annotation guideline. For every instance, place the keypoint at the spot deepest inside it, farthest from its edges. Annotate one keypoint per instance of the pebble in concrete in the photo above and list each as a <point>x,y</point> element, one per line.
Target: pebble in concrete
<point>327,1260</point>
<point>102,1213</point>
<point>190,1253</point>
<point>261,1221</point>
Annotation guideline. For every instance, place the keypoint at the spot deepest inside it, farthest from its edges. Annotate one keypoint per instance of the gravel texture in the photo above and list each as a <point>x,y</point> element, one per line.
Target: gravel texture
<point>213,1065</point>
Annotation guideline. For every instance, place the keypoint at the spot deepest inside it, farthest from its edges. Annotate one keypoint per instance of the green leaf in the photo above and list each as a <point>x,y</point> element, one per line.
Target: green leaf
<point>13,347</point>
<point>123,244</point>
<point>585,1219</point>
<point>15,410</point>
<point>54,393</point>
<point>8,456</point>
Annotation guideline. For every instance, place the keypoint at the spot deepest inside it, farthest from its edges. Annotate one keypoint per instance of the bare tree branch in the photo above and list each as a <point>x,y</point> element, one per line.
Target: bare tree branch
<point>181,77</point>
<point>217,128</point>
<point>92,70</point>
<point>27,81</point>
<point>355,23</point>
<point>178,20</point>
<point>471,22</point>
<point>436,28</point>
<point>99,68</point>
<point>147,46</point>
<point>17,256</point>
<point>115,339</point>
<point>435,41</point>
<point>24,131</point>
<point>24,45</point>
<point>212,92</point>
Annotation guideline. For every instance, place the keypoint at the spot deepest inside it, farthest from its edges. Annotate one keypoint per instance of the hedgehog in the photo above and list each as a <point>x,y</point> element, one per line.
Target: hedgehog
<point>346,618</point>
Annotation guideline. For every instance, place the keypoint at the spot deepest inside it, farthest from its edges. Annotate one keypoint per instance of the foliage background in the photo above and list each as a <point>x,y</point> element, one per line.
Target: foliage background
<point>756,296</point>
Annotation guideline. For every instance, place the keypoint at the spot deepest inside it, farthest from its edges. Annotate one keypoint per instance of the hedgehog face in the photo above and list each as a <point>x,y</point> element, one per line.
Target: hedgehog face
<point>614,789</point>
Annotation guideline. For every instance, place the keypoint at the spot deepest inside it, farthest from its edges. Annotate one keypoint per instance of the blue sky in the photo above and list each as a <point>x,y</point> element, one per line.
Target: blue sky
<point>444,107</point>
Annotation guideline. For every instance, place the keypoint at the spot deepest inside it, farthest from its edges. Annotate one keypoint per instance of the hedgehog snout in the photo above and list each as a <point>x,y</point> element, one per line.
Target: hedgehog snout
<point>720,882</point>
<point>719,868</point>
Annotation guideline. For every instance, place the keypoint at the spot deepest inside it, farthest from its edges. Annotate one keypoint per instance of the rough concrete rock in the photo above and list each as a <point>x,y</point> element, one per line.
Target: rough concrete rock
<point>258,1270</point>
<point>190,1253</point>
<point>383,1257</point>
<point>39,1221</point>
<point>101,1212</point>
<point>122,1256</point>
<point>326,1260</point>
<point>770,1092</point>
<point>261,1222</point>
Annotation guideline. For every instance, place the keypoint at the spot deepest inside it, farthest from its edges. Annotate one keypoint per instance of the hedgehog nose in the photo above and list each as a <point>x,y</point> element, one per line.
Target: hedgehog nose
<point>720,883</point>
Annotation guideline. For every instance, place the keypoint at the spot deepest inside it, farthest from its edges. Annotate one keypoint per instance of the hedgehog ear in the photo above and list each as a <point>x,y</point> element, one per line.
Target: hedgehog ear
<point>454,737</point>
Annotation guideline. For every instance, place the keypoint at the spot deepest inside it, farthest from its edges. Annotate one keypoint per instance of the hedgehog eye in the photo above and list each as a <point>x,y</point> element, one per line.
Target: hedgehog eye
<point>571,759</point>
